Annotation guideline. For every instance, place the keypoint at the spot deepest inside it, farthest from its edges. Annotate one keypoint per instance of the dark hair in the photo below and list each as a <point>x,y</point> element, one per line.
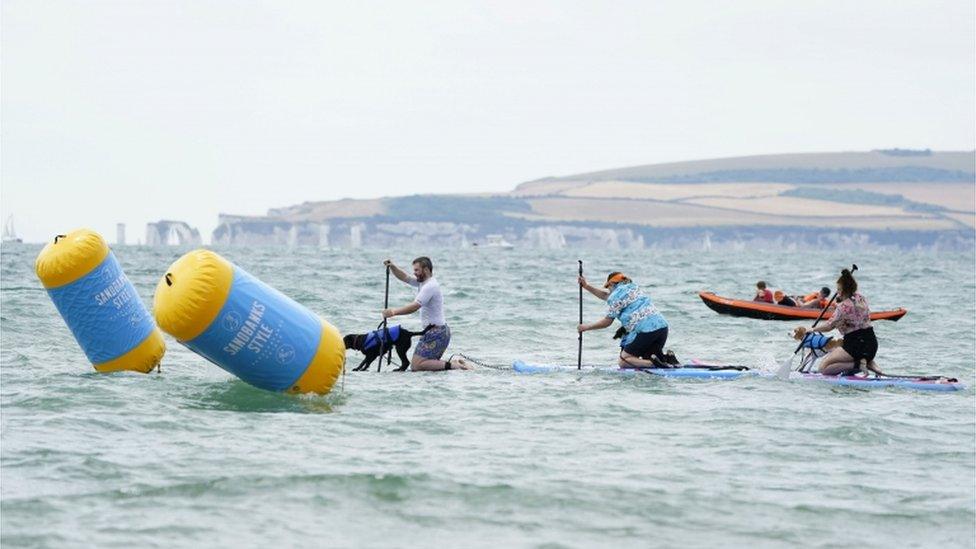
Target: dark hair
<point>847,283</point>
<point>761,285</point>
<point>424,262</point>
<point>825,291</point>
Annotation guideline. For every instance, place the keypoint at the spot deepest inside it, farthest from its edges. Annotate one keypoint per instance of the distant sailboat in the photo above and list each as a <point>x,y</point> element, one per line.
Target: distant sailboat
<point>9,234</point>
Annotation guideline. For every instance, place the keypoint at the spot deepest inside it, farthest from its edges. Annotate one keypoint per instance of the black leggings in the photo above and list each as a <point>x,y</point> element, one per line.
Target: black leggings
<point>646,344</point>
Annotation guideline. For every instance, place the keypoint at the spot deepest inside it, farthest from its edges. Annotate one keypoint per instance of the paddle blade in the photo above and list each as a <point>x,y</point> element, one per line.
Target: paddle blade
<point>783,372</point>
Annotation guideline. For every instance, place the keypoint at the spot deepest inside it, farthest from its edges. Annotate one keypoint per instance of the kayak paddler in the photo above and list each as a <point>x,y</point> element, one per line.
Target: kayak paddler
<point>815,300</point>
<point>763,293</point>
<point>646,330</point>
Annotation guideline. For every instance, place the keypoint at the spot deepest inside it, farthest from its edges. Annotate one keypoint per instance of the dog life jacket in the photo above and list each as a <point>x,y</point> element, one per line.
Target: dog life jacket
<point>817,343</point>
<point>386,337</point>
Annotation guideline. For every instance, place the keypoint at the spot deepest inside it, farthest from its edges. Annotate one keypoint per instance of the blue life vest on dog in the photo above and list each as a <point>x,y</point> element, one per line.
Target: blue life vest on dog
<point>385,337</point>
<point>817,343</point>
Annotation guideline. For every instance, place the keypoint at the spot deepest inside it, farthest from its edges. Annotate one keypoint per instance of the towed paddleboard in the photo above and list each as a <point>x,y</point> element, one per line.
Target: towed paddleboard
<point>689,371</point>
<point>701,371</point>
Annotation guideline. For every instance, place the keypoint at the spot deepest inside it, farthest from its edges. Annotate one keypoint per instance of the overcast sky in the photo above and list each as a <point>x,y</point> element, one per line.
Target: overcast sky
<point>135,111</point>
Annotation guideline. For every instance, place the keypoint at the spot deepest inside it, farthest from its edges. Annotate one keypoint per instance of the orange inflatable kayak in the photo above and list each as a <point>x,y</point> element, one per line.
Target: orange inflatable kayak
<point>770,311</point>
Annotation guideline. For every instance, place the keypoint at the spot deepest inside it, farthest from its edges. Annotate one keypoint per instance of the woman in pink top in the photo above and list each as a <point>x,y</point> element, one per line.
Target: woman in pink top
<point>852,318</point>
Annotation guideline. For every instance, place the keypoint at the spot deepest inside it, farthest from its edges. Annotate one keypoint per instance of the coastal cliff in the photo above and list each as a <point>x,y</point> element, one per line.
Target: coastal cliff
<point>172,233</point>
<point>896,197</point>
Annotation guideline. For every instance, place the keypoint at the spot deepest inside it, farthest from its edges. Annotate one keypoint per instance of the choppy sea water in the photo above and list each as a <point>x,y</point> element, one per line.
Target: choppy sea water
<point>193,457</point>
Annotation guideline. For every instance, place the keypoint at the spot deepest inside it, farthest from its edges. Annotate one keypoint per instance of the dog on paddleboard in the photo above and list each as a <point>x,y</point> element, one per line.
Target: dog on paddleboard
<point>381,340</point>
<point>818,343</point>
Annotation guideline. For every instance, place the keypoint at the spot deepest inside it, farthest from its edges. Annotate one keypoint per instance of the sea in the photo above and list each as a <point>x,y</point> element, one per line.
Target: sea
<point>190,456</point>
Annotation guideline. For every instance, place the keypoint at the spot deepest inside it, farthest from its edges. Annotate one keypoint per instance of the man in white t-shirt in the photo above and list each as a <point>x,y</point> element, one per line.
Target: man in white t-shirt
<point>430,302</point>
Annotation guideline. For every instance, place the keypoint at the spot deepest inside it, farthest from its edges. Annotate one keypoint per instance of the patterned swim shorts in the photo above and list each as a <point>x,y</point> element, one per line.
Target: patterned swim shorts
<point>433,344</point>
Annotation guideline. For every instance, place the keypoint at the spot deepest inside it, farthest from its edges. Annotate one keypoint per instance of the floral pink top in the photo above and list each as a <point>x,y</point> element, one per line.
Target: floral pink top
<point>851,315</point>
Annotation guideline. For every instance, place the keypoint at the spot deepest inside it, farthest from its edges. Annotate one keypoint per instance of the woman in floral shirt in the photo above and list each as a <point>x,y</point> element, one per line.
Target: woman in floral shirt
<point>852,318</point>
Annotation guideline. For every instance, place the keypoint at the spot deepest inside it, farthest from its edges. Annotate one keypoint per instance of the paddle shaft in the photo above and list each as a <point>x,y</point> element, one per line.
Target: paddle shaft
<point>386,305</point>
<point>579,352</point>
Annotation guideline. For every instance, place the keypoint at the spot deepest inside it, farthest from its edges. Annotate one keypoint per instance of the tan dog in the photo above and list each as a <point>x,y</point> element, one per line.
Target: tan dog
<point>801,331</point>
<point>817,345</point>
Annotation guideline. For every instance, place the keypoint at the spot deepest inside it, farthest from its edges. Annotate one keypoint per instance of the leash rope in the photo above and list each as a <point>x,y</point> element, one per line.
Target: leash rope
<point>482,363</point>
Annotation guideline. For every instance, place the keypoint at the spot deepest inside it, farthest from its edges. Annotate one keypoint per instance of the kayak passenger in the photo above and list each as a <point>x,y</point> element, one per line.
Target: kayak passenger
<point>780,298</point>
<point>763,293</point>
<point>852,318</point>
<point>816,300</point>
<point>646,329</point>
<point>766,294</point>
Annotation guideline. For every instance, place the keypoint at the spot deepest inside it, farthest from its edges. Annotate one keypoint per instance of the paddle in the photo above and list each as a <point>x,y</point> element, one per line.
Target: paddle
<point>579,353</point>
<point>383,334</point>
<point>785,367</point>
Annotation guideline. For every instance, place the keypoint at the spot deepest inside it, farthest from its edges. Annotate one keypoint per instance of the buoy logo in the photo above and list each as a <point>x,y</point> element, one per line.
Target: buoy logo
<point>285,354</point>
<point>106,274</point>
<point>231,321</point>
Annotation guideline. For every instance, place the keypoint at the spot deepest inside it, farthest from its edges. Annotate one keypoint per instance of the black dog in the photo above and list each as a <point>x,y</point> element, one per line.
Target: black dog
<point>396,337</point>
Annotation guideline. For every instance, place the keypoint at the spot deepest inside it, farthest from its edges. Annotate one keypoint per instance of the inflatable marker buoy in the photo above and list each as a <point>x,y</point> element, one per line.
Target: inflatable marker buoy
<point>246,327</point>
<point>99,304</point>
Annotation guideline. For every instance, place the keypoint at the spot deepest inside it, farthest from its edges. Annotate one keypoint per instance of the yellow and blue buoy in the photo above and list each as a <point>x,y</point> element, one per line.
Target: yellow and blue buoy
<point>246,327</point>
<point>98,303</point>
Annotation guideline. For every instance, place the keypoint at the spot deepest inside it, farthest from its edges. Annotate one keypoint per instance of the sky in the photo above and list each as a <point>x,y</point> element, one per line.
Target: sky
<point>135,111</point>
